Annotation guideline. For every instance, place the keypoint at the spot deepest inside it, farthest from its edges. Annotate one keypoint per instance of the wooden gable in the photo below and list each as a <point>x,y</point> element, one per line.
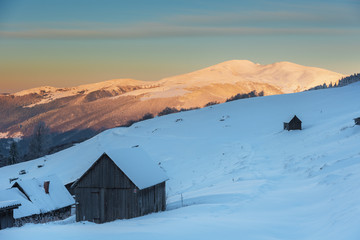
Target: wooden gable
<point>104,173</point>
<point>294,124</point>
<point>295,120</point>
<point>105,193</point>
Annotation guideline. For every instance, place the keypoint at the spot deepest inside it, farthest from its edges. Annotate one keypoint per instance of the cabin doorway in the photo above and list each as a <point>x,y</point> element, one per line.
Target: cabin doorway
<point>95,202</point>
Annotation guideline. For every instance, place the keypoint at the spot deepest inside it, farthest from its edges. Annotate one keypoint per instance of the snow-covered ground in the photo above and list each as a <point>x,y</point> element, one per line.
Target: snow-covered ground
<point>233,172</point>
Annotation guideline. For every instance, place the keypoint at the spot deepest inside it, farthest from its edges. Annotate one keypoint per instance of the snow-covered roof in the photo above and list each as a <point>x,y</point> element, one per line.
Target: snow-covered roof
<point>34,200</point>
<point>27,208</point>
<point>68,165</point>
<point>137,165</point>
<point>9,204</point>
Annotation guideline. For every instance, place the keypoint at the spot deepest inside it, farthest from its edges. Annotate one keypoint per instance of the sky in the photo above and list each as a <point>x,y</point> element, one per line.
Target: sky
<point>65,43</point>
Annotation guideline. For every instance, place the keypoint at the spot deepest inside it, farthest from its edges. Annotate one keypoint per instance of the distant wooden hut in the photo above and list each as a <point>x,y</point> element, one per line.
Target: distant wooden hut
<point>121,184</point>
<point>294,124</point>
<point>357,121</point>
<point>7,213</point>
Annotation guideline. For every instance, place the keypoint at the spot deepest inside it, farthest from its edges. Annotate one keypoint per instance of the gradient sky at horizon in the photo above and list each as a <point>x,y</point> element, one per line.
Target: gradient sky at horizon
<point>66,43</point>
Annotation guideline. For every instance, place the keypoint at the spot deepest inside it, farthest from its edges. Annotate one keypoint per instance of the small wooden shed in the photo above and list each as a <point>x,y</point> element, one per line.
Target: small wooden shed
<point>294,124</point>
<point>357,121</point>
<point>7,213</point>
<point>121,184</point>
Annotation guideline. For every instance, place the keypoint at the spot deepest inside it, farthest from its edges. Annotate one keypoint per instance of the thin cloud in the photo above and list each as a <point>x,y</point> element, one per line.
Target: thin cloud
<point>275,17</point>
<point>154,30</point>
<point>313,21</point>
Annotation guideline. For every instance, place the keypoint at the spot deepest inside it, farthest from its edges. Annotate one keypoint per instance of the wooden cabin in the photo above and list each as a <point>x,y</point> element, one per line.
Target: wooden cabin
<point>7,213</point>
<point>357,121</point>
<point>121,184</point>
<point>42,200</point>
<point>294,124</point>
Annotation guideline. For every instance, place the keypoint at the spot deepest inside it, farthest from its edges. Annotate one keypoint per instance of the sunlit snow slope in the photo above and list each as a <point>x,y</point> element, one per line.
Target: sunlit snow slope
<point>234,173</point>
<point>80,112</point>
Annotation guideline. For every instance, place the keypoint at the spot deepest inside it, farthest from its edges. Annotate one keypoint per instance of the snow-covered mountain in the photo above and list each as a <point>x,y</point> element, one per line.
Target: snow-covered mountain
<point>233,171</point>
<point>99,106</point>
<point>287,77</point>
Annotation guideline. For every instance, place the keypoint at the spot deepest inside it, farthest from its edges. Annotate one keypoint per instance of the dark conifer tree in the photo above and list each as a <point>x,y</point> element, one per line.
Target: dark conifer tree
<point>13,153</point>
<point>40,141</point>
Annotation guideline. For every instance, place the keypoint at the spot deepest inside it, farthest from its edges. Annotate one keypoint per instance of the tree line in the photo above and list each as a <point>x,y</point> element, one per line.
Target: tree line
<point>251,94</point>
<point>342,82</point>
<point>38,145</point>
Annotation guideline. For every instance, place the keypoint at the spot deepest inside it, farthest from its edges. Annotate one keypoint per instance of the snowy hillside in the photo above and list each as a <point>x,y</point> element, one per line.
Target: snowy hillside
<point>286,76</point>
<point>77,113</point>
<point>233,172</point>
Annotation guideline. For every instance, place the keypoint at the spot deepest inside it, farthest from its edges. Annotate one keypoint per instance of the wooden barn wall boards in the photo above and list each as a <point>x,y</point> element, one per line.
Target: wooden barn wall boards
<point>294,124</point>
<point>105,193</point>
<point>357,121</point>
<point>7,213</point>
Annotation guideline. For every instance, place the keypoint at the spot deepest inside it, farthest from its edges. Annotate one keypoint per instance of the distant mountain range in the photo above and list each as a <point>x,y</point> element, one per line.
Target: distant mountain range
<point>87,109</point>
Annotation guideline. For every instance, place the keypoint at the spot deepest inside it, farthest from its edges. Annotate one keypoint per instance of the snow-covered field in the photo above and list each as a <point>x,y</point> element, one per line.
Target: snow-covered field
<point>233,172</point>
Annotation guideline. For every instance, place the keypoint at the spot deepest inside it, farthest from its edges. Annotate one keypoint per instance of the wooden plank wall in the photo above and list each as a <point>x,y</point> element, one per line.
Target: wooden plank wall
<point>6,219</point>
<point>105,193</point>
<point>294,125</point>
<point>105,174</point>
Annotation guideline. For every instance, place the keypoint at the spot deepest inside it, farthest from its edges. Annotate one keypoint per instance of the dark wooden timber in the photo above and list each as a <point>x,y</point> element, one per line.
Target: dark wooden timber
<point>7,216</point>
<point>357,121</point>
<point>294,124</point>
<point>104,193</point>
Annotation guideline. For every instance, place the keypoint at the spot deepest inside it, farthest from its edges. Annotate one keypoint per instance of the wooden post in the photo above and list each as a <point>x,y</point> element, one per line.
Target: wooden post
<point>46,186</point>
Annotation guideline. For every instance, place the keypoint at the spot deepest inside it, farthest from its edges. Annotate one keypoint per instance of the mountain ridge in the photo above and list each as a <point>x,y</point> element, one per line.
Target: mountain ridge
<point>92,108</point>
<point>232,65</point>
